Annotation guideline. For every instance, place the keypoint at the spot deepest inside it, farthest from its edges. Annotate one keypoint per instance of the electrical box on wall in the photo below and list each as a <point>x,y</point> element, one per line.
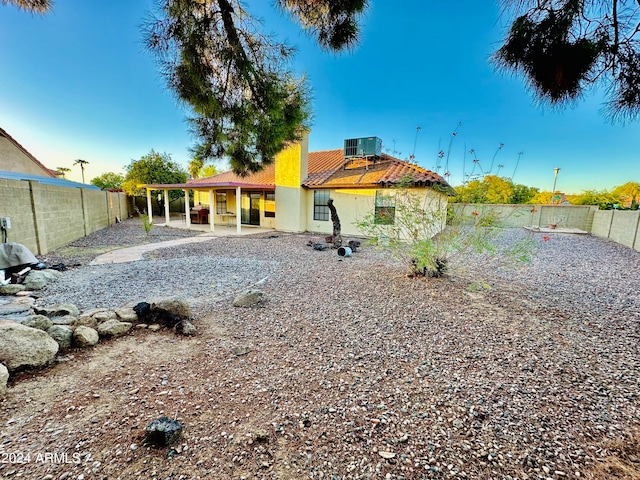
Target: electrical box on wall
<point>5,223</point>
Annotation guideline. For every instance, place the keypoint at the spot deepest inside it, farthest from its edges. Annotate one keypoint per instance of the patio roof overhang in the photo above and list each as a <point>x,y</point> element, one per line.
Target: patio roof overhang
<point>209,185</point>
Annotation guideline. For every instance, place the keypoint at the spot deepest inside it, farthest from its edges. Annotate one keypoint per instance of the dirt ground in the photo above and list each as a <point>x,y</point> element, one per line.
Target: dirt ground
<point>416,380</point>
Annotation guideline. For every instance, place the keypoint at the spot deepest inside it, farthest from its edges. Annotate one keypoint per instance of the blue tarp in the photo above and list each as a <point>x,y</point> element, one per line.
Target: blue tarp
<point>58,182</point>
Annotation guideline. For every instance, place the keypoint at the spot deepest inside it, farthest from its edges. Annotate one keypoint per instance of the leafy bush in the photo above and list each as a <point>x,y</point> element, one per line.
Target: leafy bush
<point>429,237</point>
<point>147,224</point>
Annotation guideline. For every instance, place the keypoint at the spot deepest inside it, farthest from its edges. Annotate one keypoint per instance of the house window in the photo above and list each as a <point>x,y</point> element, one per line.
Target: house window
<point>221,203</point>
<point>270,204</point>
<point>385,212</point>
<point>320,207</point>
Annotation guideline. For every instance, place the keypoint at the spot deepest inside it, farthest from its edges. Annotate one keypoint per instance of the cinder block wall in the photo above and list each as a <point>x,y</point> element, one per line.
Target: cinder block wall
<point>117,207</point>
<point>45,217</point>
<point>58,215</point>
<point>15,203</point>
<point>96,211</point>
<point>520,215</point>
<point>621,226</point>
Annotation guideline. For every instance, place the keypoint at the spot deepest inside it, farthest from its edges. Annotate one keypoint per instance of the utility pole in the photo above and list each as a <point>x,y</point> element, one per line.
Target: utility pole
<point>555,178</point>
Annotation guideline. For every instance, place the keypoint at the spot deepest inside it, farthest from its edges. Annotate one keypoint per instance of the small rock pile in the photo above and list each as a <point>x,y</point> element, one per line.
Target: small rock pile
<point>31,337</point>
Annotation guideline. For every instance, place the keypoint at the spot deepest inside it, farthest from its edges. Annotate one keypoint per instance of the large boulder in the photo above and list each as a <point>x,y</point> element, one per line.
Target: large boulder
<point>127,314</point>
<point>104,316</point>
<point>86,321</point>
<point>163,431</point>
<point>168,312</point>
<point>37,321</point>
<point>248,298</point>
<point>65,320</point>
<point>172,305</point>
<point>23,347</point>
<point>58,310</point>
<point>13,309</point>
<point>4,376</point>
<point>11,289</point>
<point>113,328</point>
<point>86,317</point>
<point>91,318</point>
<point>185,327</point>
<point>61,334</point>
<point>85,336</point>
<point>37,279</point>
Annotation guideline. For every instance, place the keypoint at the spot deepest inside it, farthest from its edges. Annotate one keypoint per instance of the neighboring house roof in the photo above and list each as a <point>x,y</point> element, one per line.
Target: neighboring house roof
<point>4,134</point>
<point>327,169</point>
<point>58,182</point>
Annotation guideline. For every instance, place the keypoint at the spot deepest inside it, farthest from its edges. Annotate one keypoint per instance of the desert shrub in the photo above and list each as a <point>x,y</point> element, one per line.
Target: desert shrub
<point>430,236</point>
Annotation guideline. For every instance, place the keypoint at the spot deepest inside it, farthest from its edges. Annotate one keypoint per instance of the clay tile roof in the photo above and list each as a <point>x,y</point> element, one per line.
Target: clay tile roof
<point>322,165</point>
<point>264,178</point>
<point>384,172</point>
<point>326,170</point>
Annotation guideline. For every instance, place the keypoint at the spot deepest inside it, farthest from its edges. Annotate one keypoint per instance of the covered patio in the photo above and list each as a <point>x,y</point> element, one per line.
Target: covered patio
<point>220,230</point>
<point>229,208</point>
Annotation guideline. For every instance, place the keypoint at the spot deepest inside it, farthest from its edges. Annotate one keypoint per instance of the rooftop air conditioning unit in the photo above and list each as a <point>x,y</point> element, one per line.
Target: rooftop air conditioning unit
<point>362,147</point>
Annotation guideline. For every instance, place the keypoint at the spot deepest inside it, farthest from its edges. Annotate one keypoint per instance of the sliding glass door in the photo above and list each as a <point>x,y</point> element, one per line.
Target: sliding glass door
<point>250,214</point>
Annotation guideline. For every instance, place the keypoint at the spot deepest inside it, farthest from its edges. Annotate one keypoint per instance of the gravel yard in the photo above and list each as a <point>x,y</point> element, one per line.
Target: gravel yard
<point>348,370</point>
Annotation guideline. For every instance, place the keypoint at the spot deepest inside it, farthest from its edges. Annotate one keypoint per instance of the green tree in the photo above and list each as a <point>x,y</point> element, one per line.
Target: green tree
<point>563,47</point>
<point>630,192</point>
<point>197,169</point>
<point>541,198</point>
<point>82,163</point>
<point>209,171</point>
<point>108,181</point>
<point>247,103</point>
<point>473,192</point>
<point>33,6</point>
<point>524,194</point>
<point>494,189</point>
<point>63,171</point>
<point>153,168</point>
<point>604,199</point>
<point>500,190</point>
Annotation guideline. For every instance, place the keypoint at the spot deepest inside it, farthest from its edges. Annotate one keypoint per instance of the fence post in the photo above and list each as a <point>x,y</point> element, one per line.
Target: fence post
<point>613,212</point>
<point>635,234</point>
<point>84,213</point>
<point>40,234</point>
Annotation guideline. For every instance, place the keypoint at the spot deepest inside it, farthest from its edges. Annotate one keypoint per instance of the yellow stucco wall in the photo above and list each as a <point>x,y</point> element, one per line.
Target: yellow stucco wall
<point>291,211</point>
<point>291,165</point>
<point>291,169</point>
<point>353,204</point>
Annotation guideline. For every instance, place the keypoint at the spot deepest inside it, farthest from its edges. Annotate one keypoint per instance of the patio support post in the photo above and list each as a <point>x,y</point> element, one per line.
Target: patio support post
<point>167,216</point>
<point>149,209</point>
<point>187,209</point>
<point>211,210</point>
<point>238,211</point>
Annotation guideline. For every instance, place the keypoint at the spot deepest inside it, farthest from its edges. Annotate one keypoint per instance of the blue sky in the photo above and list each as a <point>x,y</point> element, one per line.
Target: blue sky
<point>77,83</point>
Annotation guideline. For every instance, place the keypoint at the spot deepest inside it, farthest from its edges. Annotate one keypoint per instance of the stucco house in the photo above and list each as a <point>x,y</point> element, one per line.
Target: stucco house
<point>291,194</point>
<point>15,158</point>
